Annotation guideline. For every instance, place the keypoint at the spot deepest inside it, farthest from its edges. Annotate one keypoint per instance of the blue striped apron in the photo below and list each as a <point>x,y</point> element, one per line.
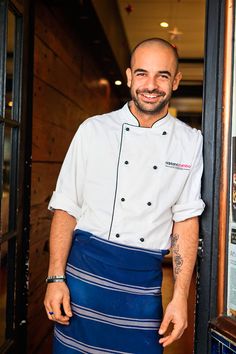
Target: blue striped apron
<point>115,297</point>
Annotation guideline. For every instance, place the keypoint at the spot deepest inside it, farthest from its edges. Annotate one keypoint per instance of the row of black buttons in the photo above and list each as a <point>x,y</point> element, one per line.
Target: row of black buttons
<point>148,203</point>
<point>141,239</point>
<point>163,133</point>
<point>154,167</point>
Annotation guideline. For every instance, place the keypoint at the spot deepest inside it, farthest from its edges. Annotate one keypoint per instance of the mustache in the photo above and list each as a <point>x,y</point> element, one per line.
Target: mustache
<point>155,91</point>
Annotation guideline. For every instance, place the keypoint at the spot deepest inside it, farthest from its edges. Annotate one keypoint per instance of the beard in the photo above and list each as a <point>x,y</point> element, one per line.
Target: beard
<point>151,108</point>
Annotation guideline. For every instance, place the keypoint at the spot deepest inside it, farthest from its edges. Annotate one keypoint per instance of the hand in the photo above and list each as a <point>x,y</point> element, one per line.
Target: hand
<point>57,297</point>
<point>176,313</point>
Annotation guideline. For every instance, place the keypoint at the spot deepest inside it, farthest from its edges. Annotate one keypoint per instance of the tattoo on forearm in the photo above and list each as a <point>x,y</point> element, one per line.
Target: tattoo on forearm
<point>177,258</point>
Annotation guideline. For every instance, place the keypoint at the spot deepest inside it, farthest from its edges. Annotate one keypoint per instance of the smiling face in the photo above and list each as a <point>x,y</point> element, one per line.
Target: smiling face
<point>151,79</point>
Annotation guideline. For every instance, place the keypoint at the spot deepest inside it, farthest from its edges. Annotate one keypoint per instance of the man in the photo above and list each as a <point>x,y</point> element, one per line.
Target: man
<point>130,187</point>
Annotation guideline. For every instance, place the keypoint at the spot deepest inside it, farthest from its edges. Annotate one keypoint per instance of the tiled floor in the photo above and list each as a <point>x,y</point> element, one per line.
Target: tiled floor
<point>221,345</point>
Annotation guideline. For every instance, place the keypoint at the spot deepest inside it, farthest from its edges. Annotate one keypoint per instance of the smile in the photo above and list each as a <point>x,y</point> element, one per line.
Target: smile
<point>149,95</point>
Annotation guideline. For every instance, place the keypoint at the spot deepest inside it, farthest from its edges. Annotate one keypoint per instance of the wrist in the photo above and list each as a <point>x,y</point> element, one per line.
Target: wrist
<point>56,269</point>
<point>180,292</point>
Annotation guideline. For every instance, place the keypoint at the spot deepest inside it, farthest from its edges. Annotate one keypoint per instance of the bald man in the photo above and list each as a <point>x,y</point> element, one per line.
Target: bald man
<point>128,191</point>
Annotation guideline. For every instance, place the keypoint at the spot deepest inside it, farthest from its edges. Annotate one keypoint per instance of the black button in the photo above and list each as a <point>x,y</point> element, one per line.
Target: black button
<point>117,235</point>
<point>149,203</point>
<point>122,199</point>
<point>126,162</point>
<point>127,129</point>
<point>155,167</point>
<point>164,133</point>
<point>141,239</point>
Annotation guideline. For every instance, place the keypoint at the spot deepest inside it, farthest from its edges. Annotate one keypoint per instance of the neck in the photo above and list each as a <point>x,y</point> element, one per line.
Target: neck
<point>147,120</point>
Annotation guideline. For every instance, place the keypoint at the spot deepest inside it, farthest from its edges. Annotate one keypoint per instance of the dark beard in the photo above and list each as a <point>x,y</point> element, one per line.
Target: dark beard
<point>153,110</point>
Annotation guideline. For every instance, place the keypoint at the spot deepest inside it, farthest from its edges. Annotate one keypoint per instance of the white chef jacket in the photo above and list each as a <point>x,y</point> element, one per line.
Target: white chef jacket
<point>127,183</point>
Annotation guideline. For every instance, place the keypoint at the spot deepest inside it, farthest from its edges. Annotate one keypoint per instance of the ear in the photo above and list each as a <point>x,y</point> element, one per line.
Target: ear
<point>129,77</point>
<point>177,80</point>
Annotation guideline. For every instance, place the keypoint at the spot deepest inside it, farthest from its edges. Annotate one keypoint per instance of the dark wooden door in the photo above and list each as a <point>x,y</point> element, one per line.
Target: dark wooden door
<point>14,169</point>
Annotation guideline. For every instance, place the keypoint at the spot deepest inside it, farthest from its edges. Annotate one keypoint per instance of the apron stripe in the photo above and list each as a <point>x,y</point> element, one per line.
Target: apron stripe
<point>115,320</point>
<point>82,347</point>
<point>109,284</point>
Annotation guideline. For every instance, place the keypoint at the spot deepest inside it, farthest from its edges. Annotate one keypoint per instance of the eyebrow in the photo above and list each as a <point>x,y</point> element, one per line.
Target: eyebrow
<point>140,70</point>
<point>165,72</point>
<point>160,72</point>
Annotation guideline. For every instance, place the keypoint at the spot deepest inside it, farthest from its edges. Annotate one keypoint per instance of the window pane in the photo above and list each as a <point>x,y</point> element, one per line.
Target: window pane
<point>10,63</point>
<point>3,291</point>
<point>6,180</point>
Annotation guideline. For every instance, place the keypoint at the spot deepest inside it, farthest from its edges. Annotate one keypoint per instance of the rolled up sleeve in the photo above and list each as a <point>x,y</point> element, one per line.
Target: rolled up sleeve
<point>68,195</point>
<point>190,203</point>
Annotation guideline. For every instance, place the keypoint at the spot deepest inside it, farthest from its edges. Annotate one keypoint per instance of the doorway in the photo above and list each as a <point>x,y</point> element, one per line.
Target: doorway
<point>14,187</point>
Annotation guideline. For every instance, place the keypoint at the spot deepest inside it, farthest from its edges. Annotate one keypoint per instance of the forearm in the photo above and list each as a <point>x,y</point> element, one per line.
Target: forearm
<point>184,247</point>
<point>61,232</point>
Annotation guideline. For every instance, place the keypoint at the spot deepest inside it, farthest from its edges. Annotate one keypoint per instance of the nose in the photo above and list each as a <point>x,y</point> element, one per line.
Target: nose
<point>151,83</point>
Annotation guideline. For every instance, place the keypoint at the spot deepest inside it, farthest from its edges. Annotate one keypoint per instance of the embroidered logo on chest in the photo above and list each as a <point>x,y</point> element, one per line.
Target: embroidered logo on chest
<point>178,166</point>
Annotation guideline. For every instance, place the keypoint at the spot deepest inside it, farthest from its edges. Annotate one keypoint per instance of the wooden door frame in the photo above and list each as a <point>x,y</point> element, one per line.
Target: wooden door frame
<point>212,259</point>
<point>207,284</point>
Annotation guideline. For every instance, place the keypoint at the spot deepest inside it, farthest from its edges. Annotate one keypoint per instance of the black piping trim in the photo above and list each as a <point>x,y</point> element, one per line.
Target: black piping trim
<point>158,120</point>
<point>133,115</point>
<point>117,173</point>
<point>152,123</point>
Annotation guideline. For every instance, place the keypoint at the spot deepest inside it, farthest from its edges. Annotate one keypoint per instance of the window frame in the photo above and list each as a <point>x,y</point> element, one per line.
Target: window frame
<point>20,179</point>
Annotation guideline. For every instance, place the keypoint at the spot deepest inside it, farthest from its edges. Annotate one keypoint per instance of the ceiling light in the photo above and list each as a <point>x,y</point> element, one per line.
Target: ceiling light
<point>118,83</point>
<point>164,24</point>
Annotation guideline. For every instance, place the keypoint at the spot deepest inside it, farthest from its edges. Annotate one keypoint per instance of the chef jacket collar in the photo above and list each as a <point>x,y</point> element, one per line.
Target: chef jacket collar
<point>129,118</point>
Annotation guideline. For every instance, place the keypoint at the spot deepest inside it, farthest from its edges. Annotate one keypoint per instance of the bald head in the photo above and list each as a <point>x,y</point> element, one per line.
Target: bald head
<point>157,44</point>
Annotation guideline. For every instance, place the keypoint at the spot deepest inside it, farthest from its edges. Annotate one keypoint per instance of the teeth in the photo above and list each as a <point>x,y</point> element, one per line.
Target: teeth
<point>150,96</point>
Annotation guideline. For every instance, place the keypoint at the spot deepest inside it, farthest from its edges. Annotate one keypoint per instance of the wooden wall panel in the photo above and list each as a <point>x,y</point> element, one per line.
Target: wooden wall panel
<point>53,71</point>
<point>39,256</point>
<point>57,38</point>
<point>43,182</point>
<point>55,119</point>
<point>40,222</point>
<point>50,106</point>
<point>46,139</point>
<point>66,91</point>
<point>79,61</point>
<point>40,327</point>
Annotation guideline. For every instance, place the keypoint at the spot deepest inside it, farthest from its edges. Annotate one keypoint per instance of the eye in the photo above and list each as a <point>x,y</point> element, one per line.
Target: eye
<point>164,76</point>
<point>140,74</point>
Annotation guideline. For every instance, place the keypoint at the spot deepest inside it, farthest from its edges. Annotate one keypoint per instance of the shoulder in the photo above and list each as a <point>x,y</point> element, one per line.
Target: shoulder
<point>101,120</point>
<point>92,124</point>
<point>185,128</point>
<point>185,132</point>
